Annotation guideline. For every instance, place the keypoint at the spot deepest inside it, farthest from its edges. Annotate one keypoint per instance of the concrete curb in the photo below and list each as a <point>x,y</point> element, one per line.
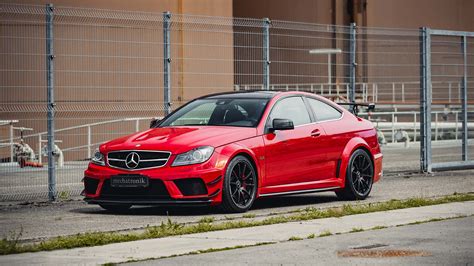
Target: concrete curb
<point>154,248</point>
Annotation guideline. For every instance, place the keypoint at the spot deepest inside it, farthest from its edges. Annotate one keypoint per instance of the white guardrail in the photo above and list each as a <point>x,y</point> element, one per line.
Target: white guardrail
<point>11,140</point>
<point>396,92</point>
<point>439,127</point>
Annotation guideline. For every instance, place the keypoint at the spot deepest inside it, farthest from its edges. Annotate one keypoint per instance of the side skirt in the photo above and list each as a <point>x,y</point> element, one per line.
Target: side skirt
<point>299,191</point>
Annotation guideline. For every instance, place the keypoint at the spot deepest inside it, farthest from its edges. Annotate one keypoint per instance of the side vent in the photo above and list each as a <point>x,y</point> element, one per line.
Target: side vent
<point>338,168</point>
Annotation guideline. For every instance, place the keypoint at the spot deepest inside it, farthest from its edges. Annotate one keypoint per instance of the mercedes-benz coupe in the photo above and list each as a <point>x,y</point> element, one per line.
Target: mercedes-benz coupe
<point>229,149</point>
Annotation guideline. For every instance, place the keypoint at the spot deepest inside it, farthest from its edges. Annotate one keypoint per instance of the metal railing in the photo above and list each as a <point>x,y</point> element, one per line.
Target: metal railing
<point>409,121</point>
<point>89,145</point>
<point>383,93</point>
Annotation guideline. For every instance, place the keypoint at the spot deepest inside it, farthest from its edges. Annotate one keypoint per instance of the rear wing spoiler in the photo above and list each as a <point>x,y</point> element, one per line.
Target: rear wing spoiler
<point>354,107</point>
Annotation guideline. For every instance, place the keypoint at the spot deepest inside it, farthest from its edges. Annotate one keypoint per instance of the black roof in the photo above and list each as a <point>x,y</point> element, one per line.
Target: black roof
<point>242,95</point>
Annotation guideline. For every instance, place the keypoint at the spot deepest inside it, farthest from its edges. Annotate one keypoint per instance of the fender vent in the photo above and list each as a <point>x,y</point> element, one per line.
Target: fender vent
<point>338,168</point>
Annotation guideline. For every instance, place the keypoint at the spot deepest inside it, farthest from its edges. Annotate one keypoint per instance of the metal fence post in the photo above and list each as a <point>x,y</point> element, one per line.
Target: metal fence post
<point>51,103</point>
<point>266,53</point>
<point>167,62</point>
<point>12,137</point>
<point>425,100</point>
<point>352,62</point>
<point>464,101</point>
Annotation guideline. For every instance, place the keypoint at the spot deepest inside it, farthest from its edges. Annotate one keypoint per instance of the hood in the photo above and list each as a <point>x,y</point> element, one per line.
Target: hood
<point>179,139</point>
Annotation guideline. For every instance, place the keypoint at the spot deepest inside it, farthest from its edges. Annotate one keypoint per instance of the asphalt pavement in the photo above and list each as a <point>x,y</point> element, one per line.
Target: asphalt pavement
<point>40,221</point>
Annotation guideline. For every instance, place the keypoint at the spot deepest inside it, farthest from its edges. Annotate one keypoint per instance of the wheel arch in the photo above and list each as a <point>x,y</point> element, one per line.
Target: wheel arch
<point>235,150</point>
<point>353,145</point>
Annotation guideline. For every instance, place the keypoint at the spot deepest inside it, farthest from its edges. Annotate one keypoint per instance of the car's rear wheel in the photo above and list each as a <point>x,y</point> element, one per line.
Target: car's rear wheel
<point>359,177</point>
<point>115,207</point>
<point>240,185</point>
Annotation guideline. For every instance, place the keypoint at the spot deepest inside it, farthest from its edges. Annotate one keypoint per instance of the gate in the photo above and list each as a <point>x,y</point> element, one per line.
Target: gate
<point>446,100</point>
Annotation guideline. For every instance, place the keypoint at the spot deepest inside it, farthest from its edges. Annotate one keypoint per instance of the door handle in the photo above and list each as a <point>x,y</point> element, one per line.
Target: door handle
<point>315,133</point>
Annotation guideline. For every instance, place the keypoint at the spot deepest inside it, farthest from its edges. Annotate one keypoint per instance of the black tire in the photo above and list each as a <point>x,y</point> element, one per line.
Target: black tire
<point>239,189</point>
<point>359,177</point>
<point>116,207</point>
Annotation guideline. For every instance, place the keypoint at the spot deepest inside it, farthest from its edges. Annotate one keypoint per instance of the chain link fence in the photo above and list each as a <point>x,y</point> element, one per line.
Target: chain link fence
<point>111,72</point>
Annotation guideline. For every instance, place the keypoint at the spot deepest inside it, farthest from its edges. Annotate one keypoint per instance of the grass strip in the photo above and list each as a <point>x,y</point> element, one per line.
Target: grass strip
<point>11,245</point>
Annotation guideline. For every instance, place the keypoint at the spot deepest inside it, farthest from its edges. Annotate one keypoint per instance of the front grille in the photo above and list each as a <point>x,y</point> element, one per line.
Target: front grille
<point>90,185</point>
<point>146,159</point>
<point>155,190</point>
<point>191,186</point>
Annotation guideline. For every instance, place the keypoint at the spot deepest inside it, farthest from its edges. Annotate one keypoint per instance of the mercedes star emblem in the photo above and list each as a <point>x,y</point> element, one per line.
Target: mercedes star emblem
<point>132,160</point>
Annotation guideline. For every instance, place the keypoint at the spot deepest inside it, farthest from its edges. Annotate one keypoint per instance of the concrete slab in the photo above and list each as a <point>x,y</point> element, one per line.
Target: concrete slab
<point>154,248</point>
<point>447,242</point>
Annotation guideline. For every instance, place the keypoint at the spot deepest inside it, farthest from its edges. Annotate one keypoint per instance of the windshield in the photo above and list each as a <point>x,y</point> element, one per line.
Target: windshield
<point>218,112</point>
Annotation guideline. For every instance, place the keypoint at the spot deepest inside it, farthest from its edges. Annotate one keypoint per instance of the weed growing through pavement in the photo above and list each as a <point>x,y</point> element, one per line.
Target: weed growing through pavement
<point>325,233</point>
<point>206,220</point>
<point>248,215</point>
<point>294,238</point>
<point>355,230</point>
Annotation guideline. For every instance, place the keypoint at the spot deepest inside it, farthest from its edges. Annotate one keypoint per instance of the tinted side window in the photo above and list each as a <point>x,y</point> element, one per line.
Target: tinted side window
<point>323,111</point>
<point>292,108</point>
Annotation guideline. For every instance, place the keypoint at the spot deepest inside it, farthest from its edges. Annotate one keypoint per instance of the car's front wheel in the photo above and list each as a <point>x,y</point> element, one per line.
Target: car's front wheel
<point>240,185</point>
<point>359,177</point>
<point>115,207</point>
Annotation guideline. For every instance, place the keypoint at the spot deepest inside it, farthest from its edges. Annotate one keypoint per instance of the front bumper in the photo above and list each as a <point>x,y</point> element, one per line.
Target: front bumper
<point>147,202</point>
<point>166,186</point>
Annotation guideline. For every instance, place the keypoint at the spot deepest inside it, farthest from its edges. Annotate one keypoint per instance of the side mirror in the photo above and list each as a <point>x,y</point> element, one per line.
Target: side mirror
<point>154,121</point>
<point>282,124</point>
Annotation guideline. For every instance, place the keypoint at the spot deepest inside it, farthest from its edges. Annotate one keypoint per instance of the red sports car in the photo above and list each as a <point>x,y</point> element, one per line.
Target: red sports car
<point>229,149</point>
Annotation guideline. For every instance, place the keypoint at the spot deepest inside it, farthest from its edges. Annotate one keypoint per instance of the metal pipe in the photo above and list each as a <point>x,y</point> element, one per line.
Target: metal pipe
<point>266,54</point>
<point>425,100</point>
<point>329,69</point>
<point>464,102</point>
<point>414,127</point>
<point>12,136</point>
<point>352,63</point>
<point>166,62</point>
<point>51,103</point>
<point>40,156</point>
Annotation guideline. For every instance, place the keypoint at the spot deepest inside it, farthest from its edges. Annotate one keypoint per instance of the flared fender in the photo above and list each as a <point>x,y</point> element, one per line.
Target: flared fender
<point>351,146</point>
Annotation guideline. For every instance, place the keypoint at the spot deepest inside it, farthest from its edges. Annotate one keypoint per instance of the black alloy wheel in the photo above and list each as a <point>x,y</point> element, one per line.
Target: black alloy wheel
<point>359,177</point>
<point>240,185</point>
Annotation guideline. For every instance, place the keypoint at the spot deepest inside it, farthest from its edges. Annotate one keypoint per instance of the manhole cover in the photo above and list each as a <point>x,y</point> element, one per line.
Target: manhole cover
<point>381,253</point>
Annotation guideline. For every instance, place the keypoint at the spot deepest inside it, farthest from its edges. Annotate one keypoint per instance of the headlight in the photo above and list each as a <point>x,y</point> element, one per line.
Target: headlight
<point>98,158</point>
<point>194,156</point>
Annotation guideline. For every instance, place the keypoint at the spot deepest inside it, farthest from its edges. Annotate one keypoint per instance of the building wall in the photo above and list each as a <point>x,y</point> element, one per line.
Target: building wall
<point>319,11</point>
<point>438,14</point>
